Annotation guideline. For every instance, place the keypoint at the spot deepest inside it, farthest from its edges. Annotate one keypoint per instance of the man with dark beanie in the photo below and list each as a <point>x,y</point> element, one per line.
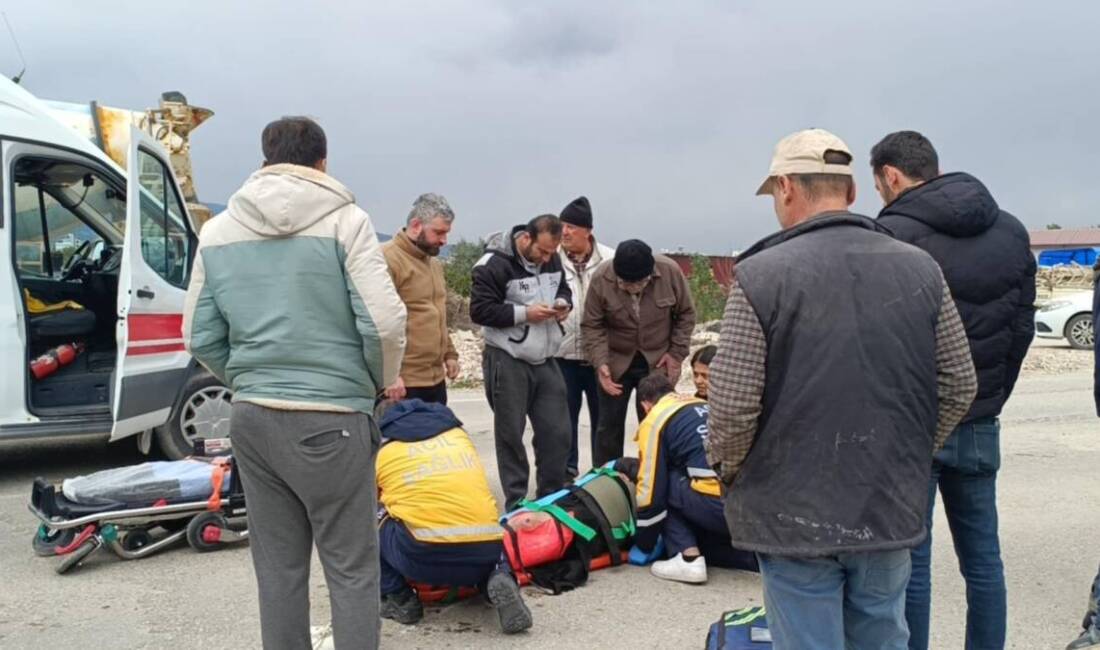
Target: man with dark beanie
<point>580,256</point>
<point>638,319</point>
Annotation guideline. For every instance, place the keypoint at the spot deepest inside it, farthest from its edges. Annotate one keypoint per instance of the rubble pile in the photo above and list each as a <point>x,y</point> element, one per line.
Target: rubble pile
<point>1041,359</point>
<point>469,346</point>
<point>1056,360</point>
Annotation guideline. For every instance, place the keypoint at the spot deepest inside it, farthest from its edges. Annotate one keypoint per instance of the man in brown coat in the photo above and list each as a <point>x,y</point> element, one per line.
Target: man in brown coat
<point>638,319</point>
<point>430,356</point>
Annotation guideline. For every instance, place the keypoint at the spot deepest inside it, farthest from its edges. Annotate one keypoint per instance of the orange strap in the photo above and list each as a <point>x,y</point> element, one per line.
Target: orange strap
<point>221,466</point>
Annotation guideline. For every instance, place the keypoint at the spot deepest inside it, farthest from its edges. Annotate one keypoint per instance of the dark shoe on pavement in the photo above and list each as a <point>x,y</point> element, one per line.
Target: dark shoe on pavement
<point>1090,638</point>
<point>403,607</point>
<point>504,594</point>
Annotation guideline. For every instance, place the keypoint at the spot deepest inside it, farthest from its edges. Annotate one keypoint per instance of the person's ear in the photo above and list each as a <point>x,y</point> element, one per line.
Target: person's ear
<point>322,165</point>
<point>852,192</point>
<point>782,189</point>
<point>894,178</point>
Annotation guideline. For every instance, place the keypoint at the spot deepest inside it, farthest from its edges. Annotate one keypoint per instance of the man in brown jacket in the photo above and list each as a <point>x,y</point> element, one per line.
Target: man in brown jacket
<point>430,356</point>
<point>638,319</point>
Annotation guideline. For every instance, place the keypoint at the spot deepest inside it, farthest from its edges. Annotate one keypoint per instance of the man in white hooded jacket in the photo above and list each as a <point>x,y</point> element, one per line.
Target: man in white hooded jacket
<point>292,306</point>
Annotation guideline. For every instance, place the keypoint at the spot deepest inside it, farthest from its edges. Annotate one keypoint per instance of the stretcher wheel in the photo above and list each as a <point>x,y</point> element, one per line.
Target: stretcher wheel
<point>46,541</point>
<point>136,539</point>
<point>197,536</point>
<point>76,557</point>
<point>174,525</point>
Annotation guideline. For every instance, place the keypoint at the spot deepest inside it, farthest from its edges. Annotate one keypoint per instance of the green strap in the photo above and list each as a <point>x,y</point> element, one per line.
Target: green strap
<point>744,616</point>
<point>567,520</point>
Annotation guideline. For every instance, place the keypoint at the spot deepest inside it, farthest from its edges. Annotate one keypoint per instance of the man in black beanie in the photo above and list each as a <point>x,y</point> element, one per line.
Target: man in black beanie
<point>638,319</point>
<point>581,255</point>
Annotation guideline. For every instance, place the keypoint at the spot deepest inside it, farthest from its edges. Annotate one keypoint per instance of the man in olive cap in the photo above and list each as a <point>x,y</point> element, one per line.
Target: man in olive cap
<point>638,319</point>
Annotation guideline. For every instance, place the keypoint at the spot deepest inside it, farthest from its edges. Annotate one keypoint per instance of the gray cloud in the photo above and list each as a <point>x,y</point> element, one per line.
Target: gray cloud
<point>664,114</point>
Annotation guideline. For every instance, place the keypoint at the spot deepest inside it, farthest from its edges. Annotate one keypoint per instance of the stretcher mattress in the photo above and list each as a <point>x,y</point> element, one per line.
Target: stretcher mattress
<point>147,483</point>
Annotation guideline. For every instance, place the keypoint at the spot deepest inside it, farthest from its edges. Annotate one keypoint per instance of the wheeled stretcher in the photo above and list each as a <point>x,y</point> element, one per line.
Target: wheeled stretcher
<point>139,510</point>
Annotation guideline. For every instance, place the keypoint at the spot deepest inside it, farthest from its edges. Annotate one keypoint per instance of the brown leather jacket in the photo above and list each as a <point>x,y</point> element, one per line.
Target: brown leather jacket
<point>611,331</point>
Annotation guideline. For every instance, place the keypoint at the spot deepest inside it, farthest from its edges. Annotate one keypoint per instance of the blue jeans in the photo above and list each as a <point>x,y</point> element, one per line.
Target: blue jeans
<point>853,600</point>
<point>966,472</point>
<point>402,557</point>
<point>580,381</point>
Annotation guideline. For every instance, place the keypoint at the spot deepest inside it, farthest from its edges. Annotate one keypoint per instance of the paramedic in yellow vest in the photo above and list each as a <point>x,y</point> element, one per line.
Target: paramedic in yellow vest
<point>677,492</point>
<point>440,524</point>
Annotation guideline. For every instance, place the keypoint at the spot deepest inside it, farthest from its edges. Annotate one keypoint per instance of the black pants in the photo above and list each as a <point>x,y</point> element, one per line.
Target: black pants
<point>433,394</point>
<point>580,381</point>
<point>612,428</point>
<point>517,390</point>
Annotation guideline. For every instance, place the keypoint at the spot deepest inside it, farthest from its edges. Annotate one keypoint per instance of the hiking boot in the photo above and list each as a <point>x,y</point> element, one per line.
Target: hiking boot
<point>505,596</point>
<point>678,569</point>
<point>403,607</point>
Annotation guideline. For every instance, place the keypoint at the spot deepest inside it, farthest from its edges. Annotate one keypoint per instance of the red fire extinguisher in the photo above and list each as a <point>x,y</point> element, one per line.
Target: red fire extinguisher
<point>48,363</point>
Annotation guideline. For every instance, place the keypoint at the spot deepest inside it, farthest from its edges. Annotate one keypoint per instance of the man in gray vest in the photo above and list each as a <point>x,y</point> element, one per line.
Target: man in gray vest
<point>842,366</point>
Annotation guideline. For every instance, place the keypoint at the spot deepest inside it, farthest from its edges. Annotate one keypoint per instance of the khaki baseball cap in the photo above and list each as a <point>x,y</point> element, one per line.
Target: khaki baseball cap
<point>804,153</point>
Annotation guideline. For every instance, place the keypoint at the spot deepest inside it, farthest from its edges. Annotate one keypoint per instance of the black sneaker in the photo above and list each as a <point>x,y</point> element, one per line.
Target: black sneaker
<point>504,594</point>
<point>403,607</point>
<point>1090,638</point>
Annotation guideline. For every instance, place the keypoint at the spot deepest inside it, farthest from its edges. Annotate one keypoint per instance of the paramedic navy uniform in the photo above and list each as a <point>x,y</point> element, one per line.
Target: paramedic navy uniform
<point>677,493</point>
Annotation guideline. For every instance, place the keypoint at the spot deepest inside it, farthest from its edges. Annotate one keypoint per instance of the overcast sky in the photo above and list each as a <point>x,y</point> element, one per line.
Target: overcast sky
<point>665,116</point>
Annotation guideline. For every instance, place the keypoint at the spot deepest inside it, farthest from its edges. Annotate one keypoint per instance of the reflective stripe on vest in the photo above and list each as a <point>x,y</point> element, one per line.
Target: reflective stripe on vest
<point>455,531</point>
<point>649,440</point>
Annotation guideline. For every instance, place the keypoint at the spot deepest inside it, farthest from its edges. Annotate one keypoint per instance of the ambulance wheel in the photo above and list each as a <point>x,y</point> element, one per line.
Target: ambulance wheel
<point>46,540</point>
<point>136,540</point>
<point>199,524</point>
<point>202,411</point>
<point>76,557</point>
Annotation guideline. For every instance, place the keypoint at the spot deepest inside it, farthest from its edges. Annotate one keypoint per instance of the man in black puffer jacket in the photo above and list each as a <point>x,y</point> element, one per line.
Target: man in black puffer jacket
<point>986,258</point>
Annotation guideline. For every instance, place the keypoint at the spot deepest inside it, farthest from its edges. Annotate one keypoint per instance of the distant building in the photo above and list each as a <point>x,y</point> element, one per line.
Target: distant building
<point>720,265</point>
<point>1064,238</point>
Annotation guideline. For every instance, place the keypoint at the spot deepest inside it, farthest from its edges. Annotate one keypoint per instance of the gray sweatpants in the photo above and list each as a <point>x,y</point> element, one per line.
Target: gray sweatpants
<point>309,479</point>
<point>517,390</point>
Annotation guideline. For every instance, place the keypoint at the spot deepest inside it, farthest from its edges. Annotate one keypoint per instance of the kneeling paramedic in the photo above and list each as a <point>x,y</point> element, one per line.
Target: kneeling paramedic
<point>677,493</point>
<point>440,525</point>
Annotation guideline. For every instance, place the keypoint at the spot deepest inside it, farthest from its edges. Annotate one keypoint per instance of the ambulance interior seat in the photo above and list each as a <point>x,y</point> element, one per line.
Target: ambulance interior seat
<point>68,325</point>
<point>71,209</point>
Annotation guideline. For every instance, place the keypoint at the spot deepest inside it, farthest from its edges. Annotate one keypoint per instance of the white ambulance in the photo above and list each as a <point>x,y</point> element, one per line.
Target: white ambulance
<point>74,229</point>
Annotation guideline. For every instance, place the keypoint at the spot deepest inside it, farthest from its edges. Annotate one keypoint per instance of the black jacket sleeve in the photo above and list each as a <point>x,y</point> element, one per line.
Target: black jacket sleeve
<point>487,306</point>
<point>1023,327</point>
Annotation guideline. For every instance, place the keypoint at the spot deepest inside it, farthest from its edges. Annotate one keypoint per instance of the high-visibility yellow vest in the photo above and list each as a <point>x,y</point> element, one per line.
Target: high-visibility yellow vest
<point>437,488</point>
<point>703,481</point>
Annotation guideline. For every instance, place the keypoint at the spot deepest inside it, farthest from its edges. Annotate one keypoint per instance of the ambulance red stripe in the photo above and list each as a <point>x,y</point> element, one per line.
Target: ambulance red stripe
<point>152,327</point>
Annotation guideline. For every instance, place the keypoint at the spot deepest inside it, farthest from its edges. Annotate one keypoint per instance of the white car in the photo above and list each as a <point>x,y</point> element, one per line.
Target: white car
<point>1068,317</point>
<point>118,241</point>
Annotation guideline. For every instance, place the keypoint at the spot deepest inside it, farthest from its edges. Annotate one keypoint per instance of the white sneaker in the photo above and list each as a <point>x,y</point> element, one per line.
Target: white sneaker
<point>675,568</point>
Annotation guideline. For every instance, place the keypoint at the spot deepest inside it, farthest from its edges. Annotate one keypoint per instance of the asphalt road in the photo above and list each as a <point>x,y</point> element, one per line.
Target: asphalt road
<point>179,599</point>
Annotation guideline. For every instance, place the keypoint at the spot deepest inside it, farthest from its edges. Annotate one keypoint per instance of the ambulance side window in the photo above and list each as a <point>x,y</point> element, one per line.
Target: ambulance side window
<point>165,244</point>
